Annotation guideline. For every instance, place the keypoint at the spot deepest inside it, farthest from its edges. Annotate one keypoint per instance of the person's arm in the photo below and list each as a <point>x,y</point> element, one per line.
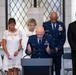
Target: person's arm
<point>62,40</point>
<point>70,38</point>
<point>0,43</point>
<point>51,47</point>
<point>20,44</point>
<point>28,48</point>
<point>19,48</point>
<point>4,41</point>
<point>24,41</point>
<point>5,48</point>
<point>0,39</point>
<point>44,26</point>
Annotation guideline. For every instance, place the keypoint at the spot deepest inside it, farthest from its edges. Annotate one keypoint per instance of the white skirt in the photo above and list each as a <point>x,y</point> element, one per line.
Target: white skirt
<point>15,62</point>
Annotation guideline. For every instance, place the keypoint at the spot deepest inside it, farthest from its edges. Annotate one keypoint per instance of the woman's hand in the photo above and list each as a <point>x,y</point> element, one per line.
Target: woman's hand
<point>16,53</point>
<point>9,57</point>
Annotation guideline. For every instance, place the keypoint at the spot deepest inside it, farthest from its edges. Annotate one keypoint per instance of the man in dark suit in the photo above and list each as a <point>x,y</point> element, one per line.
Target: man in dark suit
<point>57,30</point>
<point>40,46</point>
<point>72,41</point>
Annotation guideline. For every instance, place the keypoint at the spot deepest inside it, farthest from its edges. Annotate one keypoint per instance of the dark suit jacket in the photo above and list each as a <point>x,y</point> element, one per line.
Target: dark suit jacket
<point>72,35</point>
<point>59,34</point>
<point>39,50</point>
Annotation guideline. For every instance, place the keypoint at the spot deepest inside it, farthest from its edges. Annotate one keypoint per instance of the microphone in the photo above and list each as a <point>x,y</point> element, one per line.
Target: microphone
<point>32,52</point>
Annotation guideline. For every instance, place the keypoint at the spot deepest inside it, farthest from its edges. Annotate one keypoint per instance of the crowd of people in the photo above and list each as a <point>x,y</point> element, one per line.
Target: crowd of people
<point>38,41</point>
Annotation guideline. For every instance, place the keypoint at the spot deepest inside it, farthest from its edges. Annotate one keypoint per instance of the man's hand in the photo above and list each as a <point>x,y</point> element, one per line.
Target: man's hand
<point>56,50</point>
<point>48,49</point>
<point>29,48</point>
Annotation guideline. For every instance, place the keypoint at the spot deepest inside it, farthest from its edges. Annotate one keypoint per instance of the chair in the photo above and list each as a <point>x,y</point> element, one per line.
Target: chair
<point>67,56</point>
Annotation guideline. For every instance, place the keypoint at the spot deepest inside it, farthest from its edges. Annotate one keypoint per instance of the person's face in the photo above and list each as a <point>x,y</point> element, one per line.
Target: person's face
<point>12,26</point>
<point>40,34</point>
<point>31,26</point>
<point>53,18</point>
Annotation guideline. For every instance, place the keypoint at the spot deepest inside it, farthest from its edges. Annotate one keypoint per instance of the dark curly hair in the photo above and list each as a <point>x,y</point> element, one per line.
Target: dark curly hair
<point>11,20</point>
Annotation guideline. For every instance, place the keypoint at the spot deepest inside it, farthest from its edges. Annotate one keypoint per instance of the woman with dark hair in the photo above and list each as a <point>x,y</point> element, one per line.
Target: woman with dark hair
<point>12,46</point>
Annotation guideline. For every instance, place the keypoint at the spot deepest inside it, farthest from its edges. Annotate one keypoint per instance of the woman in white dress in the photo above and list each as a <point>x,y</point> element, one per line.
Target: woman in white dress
<point>31,25</point>
<point>13,49</point>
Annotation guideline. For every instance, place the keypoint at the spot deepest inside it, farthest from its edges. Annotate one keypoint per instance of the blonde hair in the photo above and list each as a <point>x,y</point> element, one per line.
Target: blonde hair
<point>32,20</point>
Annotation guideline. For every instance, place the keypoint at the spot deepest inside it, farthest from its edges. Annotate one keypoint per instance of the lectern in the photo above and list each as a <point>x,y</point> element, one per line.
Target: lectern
<point>36,63</point>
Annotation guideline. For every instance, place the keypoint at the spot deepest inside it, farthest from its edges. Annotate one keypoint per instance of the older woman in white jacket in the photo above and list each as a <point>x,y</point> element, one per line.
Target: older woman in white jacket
<point>31,25</point>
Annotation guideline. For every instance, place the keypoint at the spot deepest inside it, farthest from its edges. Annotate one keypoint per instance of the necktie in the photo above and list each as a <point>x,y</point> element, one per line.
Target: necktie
<point>40,41</point>
<point>53,26</point>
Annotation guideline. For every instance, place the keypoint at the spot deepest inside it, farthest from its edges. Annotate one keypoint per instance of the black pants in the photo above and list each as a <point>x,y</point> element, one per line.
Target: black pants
<point>74,62</point>
<point>56,65</point>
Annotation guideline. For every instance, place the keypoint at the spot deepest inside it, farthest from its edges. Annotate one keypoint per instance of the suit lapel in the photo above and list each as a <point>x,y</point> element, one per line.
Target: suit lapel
<point>53,31</point>
<point>57,26</point>
<point>43,39</point>
<point>35,40</point>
